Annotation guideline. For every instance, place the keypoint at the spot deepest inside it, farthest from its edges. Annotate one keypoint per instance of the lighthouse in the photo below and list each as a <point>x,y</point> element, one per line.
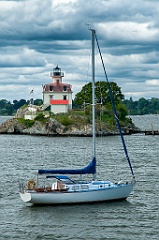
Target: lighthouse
<point>57,95</point>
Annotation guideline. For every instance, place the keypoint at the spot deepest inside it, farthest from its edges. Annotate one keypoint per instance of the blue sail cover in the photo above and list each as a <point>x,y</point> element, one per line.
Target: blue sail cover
<point>90,169</point>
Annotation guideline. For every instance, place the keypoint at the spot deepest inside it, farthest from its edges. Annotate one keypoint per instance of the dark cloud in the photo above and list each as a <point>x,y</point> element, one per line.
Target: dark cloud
<point>37,35</point>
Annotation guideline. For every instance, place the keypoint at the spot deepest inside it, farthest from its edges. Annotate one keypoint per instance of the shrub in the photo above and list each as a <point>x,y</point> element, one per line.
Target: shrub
<point>27,122</point>
<point>63,119</point>
<point>41,118</point>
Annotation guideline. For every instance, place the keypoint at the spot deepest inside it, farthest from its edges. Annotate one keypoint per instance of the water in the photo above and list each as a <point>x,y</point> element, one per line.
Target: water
<point>147,122</point>
<point>136,218</point>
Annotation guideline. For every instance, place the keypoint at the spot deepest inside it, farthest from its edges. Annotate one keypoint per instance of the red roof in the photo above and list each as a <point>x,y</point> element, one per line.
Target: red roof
<point>57,87</point>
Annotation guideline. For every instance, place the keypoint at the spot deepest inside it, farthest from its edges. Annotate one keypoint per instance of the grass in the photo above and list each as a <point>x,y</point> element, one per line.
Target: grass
<point>28,123</point>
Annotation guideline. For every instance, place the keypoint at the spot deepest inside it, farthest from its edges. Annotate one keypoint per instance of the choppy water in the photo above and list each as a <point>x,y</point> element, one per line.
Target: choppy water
<point>147,122</point>
<point>136,218</point>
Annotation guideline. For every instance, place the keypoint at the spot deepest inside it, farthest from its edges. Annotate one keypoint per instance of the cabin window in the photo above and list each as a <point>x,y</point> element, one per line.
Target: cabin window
<point>64,97</point>
<point>64,88</point>
<point>84,187</point>
<point>75,188</point>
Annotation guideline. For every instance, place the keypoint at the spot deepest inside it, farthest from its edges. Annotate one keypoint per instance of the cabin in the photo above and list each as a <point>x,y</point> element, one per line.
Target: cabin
<point>57,95</point>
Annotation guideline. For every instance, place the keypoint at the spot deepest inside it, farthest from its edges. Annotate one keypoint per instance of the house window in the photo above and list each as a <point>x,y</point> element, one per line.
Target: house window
<point>64,88</point>
<point>51,88</point>
<point>64,97</point>
<point>51,97</point>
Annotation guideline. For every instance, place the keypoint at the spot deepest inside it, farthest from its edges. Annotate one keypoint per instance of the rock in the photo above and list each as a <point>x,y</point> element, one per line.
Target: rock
<point>54,128</point>
<point>21,113</point>
<point>12,126</point>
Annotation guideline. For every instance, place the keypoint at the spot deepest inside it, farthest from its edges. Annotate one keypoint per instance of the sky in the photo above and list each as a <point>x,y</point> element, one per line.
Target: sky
<point>36,36</point>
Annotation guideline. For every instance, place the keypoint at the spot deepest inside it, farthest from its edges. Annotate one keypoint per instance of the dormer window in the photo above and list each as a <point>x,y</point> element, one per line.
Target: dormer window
<point>64,88</point>
<point>51,88</point>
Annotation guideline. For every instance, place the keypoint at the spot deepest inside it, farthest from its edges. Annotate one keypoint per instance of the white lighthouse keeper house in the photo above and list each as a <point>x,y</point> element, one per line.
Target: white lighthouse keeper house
<point>56,94</point>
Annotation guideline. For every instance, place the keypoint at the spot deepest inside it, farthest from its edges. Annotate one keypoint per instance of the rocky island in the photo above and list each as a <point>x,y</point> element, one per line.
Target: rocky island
<point>70,124</point>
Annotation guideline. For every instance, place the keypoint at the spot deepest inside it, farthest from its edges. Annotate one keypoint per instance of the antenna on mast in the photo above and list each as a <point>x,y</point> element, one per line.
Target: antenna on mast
<point>88,25</point>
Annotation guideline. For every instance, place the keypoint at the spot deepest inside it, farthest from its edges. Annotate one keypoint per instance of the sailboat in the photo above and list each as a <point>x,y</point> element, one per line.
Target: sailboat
<point>66,190</point>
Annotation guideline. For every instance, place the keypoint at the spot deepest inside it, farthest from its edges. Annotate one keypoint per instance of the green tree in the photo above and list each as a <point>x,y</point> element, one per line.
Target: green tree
<point>122,111</point>
<point>38,102</point>
<point>101,92</point>
<point>3,103</point>
<point>6,108</point>
<point>154,105</point>
<point>19,104</point>
<point>142,106</point>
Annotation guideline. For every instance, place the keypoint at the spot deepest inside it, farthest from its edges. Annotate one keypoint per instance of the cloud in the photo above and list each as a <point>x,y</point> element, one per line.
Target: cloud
<point>37,35</point>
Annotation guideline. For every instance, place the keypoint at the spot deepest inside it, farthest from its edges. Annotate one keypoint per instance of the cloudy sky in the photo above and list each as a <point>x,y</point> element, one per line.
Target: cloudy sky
<point>37,35</point>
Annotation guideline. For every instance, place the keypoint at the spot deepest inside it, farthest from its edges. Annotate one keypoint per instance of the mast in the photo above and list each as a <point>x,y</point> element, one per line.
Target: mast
<point>93,93</point>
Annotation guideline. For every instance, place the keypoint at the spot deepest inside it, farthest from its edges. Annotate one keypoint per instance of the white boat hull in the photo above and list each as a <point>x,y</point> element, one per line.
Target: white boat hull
<point>115,192</point>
